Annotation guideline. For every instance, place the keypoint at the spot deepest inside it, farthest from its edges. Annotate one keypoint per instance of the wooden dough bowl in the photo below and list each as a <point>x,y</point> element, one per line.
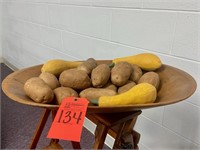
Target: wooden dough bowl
<point>175,86</point>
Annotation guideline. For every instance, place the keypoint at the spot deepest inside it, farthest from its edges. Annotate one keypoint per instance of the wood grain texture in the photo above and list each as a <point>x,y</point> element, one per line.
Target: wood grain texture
<point>175,86</point>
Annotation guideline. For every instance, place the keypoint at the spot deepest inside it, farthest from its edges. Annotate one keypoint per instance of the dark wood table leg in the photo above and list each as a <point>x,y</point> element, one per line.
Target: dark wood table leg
<point>100,135</point>
<point>118,136</point>
<point>130,138</point>
<point>39,129</point>
<point>136,138</point>
<point>53,112</point>
<point>76,145</point>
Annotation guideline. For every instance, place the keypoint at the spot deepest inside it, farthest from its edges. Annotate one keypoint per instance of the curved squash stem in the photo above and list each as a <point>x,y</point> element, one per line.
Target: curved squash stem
<point>94,101</point>
<point>111,65</point>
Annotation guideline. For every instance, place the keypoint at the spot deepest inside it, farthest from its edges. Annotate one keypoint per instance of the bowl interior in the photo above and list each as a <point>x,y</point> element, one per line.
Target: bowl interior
<point>175,86</point>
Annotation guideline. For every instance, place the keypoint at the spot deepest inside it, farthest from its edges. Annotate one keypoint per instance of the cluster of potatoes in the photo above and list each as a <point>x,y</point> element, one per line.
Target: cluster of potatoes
<point>89,80</point>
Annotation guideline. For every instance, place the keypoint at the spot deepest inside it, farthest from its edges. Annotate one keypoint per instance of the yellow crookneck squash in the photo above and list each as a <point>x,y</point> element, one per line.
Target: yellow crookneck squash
<point>140,94</point>
<point>56,66</point>
<point>146,61</point>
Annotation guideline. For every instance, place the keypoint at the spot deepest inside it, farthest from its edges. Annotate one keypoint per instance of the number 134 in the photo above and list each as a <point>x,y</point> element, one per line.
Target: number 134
<point>68,116</point>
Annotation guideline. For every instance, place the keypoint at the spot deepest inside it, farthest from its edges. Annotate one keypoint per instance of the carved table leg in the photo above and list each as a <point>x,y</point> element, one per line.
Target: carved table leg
<point>76,145</point>
<point>39,129</point>
<point>100,135</point>
<point>129,138</point>
<point>118,137</point>
<point>127,141</point>
<point>136,138</point>
<point>53,112</point>
<point>130,133</point>
<point>53,145</point>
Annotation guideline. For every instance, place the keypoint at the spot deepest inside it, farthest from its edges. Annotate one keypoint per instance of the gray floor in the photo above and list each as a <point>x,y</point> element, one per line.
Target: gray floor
<point>18,123</point>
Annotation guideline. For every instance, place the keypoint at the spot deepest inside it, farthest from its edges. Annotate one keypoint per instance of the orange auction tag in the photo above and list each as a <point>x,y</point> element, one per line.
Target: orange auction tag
<point>68,122</point>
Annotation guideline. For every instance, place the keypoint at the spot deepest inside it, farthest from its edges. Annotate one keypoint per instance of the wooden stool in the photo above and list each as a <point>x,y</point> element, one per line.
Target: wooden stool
<point>119,126</point>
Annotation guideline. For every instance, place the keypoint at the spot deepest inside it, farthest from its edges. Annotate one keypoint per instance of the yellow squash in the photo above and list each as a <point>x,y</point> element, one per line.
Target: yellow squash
<point>146,61</point>
<point>140,94</point>
<point>56,66</point>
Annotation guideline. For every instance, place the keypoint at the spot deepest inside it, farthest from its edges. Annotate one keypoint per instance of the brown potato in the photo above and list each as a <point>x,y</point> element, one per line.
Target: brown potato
<point>95,93</point>
<point>63,92</point>
<point>150,77</point>
<point>120,73</point>
<point>88,65</point>
<point>100,75</point>
<point>38,90</point>
<point>50,79</point>
<point>126,87</point>
<point>136,73</point>
<point>111,86</point>
<point>74,78</point>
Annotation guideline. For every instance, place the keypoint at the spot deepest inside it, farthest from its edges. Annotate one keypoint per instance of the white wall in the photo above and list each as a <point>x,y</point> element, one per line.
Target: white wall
<point>38,30</point>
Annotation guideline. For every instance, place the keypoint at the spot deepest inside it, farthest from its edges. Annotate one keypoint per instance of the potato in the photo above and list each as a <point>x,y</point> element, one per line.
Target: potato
<point>110,86</point>
<point>150,77</point>
<point>100,75</point>
<point>38,90</point>
<point>95,93</point>
<point>120,73</point>
<point>74,78</point>
<point>136,73</point>
<point>63,92</point>
<point>50,79</point>
<point>88,65</point>
<point>126,87</point>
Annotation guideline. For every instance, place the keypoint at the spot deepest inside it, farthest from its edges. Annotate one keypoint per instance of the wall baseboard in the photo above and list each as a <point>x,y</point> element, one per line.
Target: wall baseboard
<point>1,59</point>
<point>10,65</point>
